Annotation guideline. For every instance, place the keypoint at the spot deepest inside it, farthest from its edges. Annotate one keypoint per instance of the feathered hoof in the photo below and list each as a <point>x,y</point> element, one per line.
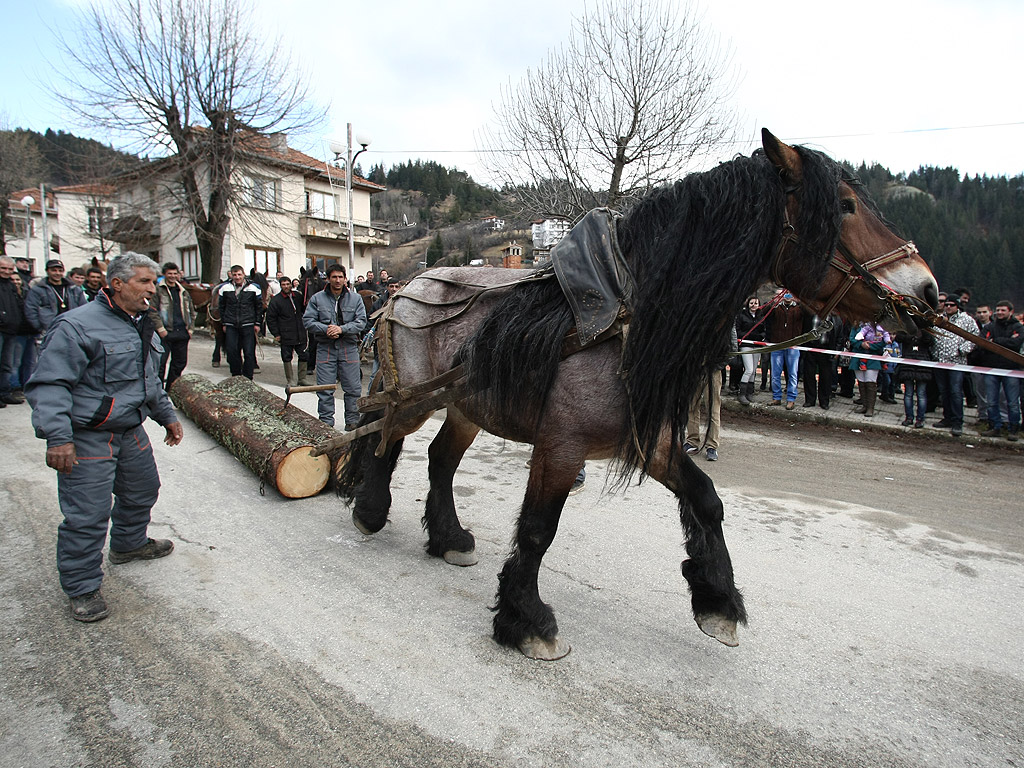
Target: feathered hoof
<point>462,559</point>
<point>544,650</point>
<point>718,627</point>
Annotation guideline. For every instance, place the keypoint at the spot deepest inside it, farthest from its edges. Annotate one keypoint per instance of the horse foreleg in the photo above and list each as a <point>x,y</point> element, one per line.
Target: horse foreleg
<point>373,496</point>
<point>717,604</point>
<point>522,620</point>
<point>445,535</point>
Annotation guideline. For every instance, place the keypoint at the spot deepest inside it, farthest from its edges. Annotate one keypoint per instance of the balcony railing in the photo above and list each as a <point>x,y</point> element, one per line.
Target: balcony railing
<point>328,229</point>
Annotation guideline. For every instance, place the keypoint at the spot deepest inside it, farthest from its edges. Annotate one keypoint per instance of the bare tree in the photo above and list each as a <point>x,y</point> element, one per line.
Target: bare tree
<point>21,166</point>
<point>192,81</point>
<point>638,93</point>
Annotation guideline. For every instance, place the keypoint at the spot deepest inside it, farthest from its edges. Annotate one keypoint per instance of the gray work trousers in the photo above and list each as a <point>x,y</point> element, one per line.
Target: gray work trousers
<point>110,464</point>
<point>337,362</point>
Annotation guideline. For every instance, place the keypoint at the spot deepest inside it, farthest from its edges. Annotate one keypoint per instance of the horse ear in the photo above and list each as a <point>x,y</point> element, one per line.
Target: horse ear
<point>783,157</point>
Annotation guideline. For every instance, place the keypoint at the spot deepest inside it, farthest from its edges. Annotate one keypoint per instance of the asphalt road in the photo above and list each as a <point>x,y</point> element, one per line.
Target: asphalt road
<point>883,579</point>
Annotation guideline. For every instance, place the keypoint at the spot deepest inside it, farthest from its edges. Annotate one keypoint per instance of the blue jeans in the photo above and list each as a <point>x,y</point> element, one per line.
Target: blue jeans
<point>951,392</point>
<point>921,387</point>
<point>791,359</point>
<point>1011,387</point>
<point>8,364</point>
<point>26,352</point>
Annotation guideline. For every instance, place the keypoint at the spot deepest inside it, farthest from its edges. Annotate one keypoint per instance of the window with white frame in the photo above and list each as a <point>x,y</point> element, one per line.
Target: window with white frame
<point>266,260</point>
<point>262,192</point>
<point>321,205</point>
<point>99,217</point>
<point>191,266</point>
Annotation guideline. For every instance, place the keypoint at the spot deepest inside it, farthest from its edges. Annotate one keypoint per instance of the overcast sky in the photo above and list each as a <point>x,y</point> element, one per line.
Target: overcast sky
<point>900,82</point>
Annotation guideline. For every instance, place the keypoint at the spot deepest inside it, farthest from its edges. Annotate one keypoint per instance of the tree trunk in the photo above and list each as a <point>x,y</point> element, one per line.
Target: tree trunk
<point>278,452</point>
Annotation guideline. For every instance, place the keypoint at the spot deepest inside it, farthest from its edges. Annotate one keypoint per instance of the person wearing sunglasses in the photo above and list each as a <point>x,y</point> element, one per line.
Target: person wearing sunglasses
<point>950,348</point>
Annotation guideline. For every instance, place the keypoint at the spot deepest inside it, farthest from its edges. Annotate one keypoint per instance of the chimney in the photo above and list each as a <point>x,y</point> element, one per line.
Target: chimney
<point>279,142</point>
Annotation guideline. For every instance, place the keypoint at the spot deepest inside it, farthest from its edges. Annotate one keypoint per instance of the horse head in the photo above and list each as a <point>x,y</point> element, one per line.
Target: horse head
<point>872,273</point>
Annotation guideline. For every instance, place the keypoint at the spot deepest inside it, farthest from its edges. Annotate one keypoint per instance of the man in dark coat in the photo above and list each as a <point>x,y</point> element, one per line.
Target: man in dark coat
<point>1006,331</point>
<point>284,319</point>
<point>11,318</point>
<point>240,302</point>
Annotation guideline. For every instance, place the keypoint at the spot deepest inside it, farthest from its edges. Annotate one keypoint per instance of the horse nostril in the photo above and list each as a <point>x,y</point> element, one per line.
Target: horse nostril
<point>931,295</point>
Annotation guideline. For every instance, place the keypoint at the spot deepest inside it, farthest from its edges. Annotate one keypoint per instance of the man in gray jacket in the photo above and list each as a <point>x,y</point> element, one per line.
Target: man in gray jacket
<point>96,382</point>
<point>336,316</point>
<point>51,297</point>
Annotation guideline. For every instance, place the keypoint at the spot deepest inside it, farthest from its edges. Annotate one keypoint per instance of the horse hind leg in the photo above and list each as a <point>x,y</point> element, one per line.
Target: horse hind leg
<point>446,537</point>
<point>522,620</point>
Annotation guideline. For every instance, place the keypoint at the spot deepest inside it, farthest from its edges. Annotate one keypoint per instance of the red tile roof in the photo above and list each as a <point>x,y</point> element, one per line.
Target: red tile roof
<point>14,200</point>
<point>266,147</point>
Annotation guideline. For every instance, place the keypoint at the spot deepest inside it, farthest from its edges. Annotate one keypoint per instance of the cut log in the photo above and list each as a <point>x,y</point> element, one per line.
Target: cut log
<point>296,418</point>
<point>276,452</point>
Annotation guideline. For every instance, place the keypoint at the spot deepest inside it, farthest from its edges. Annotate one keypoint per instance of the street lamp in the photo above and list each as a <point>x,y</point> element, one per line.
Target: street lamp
<point>28,201</point>
<point>350,161</point>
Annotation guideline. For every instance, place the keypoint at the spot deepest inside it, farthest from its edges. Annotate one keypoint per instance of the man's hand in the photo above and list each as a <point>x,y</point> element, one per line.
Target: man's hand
<point>62,458</point>
<point>162,333</point>
<point>174,433</point>
<point>333,331</point>
<point>277,339</point>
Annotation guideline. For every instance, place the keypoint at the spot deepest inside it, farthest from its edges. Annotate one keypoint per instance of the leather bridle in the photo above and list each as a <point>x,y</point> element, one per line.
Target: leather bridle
<point>853,271</point>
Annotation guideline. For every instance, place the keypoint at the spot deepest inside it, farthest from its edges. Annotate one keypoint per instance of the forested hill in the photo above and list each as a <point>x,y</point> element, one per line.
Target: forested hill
<point>969,230</point>
<point>69,159</point>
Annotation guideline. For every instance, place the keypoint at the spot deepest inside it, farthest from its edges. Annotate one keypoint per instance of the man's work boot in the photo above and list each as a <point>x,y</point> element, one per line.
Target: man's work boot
<point>89,607</point>
<point>289,374</point>
<point>302,375</point>
<point>151,550</point>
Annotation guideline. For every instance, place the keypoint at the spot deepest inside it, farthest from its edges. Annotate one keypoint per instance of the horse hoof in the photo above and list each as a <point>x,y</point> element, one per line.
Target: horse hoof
<point>720,628</point>
<point>462,559</point>
<point>362,528</point>
<point>544,650</point>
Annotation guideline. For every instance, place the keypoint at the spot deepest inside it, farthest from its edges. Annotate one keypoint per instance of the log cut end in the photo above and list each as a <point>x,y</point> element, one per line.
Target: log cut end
<point>300,475</point>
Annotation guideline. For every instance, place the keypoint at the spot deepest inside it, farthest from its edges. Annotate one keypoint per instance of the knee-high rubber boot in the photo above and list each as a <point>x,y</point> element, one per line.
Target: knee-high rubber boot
<point>870,393</point>
<point>750,391</point>
<point>862,408</point>
<point>302,375</point>
<point>289,374</point>
<point>745,388</point>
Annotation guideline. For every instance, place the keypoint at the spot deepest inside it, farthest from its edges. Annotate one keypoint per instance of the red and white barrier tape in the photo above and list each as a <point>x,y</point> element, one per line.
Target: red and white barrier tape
<point>906,361</point>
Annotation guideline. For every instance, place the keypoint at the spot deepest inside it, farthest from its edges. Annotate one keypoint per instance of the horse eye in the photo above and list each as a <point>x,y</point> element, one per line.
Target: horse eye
<point>848,205</point>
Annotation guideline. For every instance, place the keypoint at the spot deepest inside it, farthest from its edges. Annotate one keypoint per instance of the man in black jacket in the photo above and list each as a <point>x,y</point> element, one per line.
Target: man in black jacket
<point>240,302</point>
<point>11,316</point>
<point>1006,331</point>
<point>284,319</point>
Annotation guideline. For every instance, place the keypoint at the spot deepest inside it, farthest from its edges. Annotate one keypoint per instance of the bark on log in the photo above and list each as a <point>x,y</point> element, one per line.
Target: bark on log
<point>296,418</point>
<point>274,450</point>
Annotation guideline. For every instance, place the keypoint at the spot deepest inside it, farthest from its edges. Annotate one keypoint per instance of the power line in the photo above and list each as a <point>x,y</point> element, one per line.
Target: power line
<point>737,142</point>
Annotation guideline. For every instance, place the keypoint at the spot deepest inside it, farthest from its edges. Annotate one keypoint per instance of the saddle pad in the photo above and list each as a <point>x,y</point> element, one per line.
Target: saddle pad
<point>593,274</point>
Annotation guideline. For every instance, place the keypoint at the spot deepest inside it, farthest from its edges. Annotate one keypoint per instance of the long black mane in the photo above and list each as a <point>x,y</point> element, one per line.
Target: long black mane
<point>696,249</point>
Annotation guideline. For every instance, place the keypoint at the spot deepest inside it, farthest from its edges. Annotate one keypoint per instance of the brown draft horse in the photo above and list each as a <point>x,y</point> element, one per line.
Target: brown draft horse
<point>696,249</point>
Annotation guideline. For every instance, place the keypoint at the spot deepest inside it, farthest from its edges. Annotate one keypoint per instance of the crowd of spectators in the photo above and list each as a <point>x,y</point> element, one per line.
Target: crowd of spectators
<point>831,367</point>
